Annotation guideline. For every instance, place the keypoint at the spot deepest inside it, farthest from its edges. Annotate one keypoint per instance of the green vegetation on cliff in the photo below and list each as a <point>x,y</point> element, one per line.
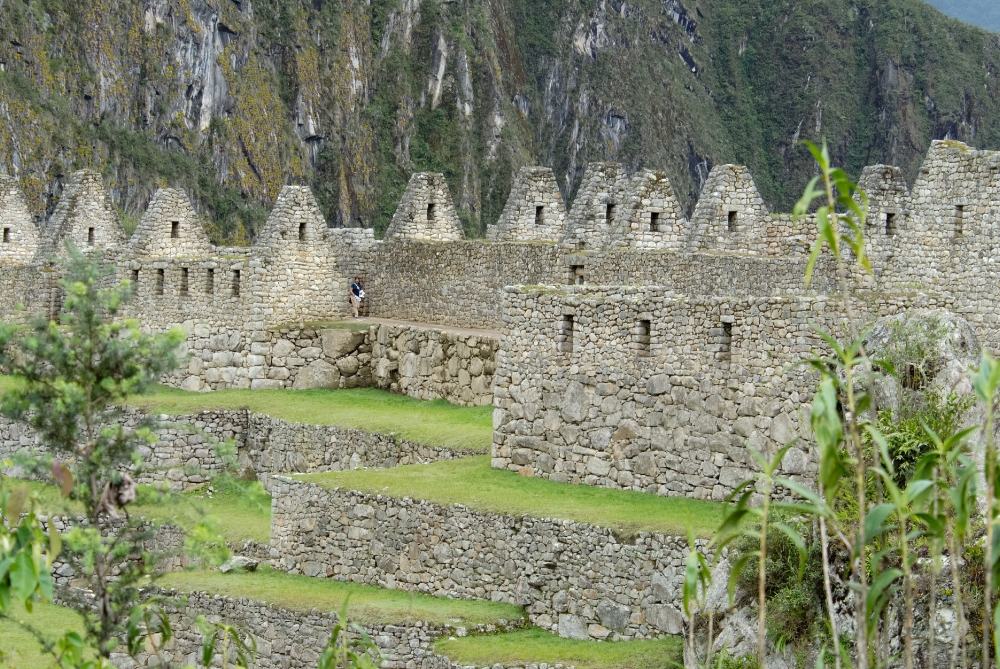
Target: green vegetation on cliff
<point>352,96</point>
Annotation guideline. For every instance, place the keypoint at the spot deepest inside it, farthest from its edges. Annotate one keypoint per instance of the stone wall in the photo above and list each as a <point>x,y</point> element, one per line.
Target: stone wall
<point>426,212</point>
<point>534,210</point>
<point>18,233</point>
<point>547,566</point>
<point>423,363</point>
<point>288,639</point>
<point>646,390</point>
<point>85,215</point>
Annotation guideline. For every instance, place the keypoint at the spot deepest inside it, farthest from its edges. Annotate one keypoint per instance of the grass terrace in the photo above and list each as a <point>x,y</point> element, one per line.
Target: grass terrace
<point>21,648</point>
<point>368,604</point>
<point>243,510</point>
<point>473,483</point>
<point>535,646</point>
<point>436,422</point>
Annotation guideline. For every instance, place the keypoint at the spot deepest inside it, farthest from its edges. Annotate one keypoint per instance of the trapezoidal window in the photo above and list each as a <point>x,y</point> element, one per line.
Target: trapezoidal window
<point>959,219</point>
<point>90,236</point>
<point>175,229</point>
<point>890,223</point>
<point>159,282</point>
<point>135,279</point>
<point>720,341</point>
<point>431,211</point>
<point>6,235</point>
<point>654,221</point>
<point>302,232</point>
<point>184,281</point>
<point>564,340</point>
<point>539,215</point>
<point>732,219</point>
<point>577,275</point>
<point>609,212</point>
<point>642,337</point>
<point>210,281</point>
<point>236,283</point>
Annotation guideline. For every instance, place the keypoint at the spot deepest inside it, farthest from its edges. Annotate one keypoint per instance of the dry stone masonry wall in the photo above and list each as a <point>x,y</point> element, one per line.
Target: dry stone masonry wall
<point>548,566</point>
<point>534,211</point>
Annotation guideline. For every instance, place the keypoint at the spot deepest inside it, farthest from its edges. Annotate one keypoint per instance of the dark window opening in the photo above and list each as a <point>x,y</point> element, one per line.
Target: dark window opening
<point>643,336</point>
<point>912,378</point>
<point>90,236</point>
<point>720,341</point>
<point>577,275</point>
<point>6,235</point>
<point>610,212</point>
<point>431,208</point>
<point>733,216</point>
<point>175,229</point>
<point>135,279</point>
<point>539,215</point>
<point>654,221</point>
<point>890,223</point>
<point>302,232</point>
<point>959,216</point>
<point>159,282</point>
<point>184,281</point>
<point>564,340</point>
<point>210,281</point>
<point>236,283</point>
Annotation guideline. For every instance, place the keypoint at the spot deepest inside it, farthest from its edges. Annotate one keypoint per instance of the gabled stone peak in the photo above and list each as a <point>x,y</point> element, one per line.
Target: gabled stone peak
<point>18,234</point>
<point>598,202</point>
<point>170,228</point>
<point>84,215</point>
<point>296,217</point>
<point>426,211</point>
<point>534,210</point>
<point>651,216</point>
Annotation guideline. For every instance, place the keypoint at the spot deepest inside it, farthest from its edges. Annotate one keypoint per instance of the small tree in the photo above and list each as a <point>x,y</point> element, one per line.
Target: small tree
<point>75,374</point>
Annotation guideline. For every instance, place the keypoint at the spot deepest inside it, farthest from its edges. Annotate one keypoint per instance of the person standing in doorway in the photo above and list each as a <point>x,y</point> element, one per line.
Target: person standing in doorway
<point>356,294</point>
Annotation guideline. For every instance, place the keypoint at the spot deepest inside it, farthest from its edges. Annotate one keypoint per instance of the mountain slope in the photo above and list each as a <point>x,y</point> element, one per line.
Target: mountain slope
<point>231,99</point>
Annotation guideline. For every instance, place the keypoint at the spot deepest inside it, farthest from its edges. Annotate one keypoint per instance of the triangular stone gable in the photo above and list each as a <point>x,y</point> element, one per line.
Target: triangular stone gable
<point>170,228</point>
<point>651,217</point>
<point>730,214</point>
<point>85,216</point>
<point>598,202</point>
<point>534,211</point>
<point>18,234</point>
<point>426,212</point>
<point>888,196</point>
<point>295,219</point>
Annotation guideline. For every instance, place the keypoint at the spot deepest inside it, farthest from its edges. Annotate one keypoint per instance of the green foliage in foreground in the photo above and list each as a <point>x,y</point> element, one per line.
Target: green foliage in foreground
<point>21,649</point>
<point>368,604</point>
<point>472,482</point>
<point>537,646</point>
<point>437,423</point>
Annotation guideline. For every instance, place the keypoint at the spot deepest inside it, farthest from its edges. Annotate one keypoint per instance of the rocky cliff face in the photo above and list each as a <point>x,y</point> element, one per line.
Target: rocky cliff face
<point>231,99</point>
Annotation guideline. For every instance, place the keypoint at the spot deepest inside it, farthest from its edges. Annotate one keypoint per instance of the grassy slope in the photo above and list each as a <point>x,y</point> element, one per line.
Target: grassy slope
<point>368,604</point>
<point>20,648</point>
<point>471,481</point>
<point>536,646</point>
<point>437,423</point>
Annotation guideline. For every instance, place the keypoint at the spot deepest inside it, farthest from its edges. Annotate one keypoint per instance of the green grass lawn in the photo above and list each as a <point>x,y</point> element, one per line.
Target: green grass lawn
<point>472,482</point>
<point>536,646</point>
<point>243,509</point>
<point>437,422</point>
<point>368,604</point>
<point>21,648</point>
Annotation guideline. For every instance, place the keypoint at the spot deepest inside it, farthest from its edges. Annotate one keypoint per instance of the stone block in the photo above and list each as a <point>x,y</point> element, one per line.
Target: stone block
<point>317,374</point>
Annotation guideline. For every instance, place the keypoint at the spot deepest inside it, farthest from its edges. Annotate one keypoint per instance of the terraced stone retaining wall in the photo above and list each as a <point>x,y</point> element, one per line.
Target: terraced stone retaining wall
<point>294,640</point>
<point>424,363</point>
<point>188,453</point>
<point>547,566</point>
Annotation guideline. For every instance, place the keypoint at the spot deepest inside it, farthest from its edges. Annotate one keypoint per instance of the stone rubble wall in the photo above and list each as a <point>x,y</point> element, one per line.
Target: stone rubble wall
<point>423,363</point>
<point>534,211</point>
<point>187,453</point>
<point>19,242</point>
<point>650,194</point>
<point>730,213</point>
<point>86,215</point>
<point>642,389</point>
<point>288,639</point>
<point>547,566</point>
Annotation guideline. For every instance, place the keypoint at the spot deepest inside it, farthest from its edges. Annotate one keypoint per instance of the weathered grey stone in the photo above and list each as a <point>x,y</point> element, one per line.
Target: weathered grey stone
<point>318,374</point>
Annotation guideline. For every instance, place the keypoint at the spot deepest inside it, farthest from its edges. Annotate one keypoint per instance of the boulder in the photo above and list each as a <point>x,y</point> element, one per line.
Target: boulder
<point>317,374</point>
<point>239,563</point>
<point>338,343</point>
